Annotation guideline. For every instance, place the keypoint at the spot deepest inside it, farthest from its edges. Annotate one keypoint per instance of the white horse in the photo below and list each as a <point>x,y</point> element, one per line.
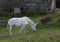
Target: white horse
<point>23,21</point>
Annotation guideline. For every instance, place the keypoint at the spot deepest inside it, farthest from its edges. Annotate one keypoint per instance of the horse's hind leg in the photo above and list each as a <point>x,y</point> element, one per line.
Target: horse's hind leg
<point>10,30</point>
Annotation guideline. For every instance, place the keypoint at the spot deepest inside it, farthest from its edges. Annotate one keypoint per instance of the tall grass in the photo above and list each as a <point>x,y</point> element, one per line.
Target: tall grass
<point>42,34</point>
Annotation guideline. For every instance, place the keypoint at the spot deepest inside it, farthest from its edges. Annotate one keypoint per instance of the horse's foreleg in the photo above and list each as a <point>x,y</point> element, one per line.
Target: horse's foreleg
<point>22,28</point>
<point>10,30</point>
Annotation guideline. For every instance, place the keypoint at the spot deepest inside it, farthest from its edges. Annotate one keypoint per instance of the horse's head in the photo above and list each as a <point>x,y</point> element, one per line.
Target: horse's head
<point>33,26</point>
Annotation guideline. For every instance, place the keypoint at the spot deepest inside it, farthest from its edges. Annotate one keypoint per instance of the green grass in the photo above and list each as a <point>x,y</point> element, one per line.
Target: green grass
<point>43,34</point>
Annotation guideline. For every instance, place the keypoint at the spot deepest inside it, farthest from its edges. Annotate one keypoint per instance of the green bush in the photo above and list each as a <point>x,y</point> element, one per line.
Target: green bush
<point>58,21</point>
<point>40,12</point>
<point>34,12</point>
<point>45,21</point>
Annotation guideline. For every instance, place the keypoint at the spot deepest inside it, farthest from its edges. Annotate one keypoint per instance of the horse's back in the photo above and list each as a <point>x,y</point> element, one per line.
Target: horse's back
<point>18,21</point>
<point>27,18</point>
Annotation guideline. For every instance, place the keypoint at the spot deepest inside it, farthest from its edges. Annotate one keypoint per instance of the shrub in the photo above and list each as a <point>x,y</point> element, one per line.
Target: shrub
<point>34,12</point>
<point>40,12</point>
<point>46,19</point>
<point>58,21</point>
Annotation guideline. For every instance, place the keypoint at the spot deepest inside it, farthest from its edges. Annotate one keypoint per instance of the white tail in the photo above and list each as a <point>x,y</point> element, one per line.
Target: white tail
<point>7,26</point>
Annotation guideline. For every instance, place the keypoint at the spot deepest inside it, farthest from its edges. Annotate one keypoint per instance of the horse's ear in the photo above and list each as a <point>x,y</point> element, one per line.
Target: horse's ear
<point>35,24</point>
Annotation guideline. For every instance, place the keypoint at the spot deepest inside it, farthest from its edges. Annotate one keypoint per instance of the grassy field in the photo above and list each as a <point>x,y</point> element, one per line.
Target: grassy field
<point>43,34</point>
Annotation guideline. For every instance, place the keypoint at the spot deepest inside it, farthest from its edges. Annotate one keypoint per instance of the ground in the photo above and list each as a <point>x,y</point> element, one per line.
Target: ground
<point>43,34</point>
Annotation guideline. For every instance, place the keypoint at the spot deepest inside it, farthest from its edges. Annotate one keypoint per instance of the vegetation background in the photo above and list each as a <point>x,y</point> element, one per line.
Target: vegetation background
<point>44,33</point>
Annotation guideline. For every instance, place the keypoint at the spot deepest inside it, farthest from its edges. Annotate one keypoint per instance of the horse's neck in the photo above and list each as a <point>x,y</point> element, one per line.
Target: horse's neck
<point>30,22</point>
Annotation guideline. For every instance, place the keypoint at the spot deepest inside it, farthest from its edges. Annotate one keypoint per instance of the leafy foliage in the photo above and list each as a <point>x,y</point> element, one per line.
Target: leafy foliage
<point>34,12</point>
<point>49,33</point>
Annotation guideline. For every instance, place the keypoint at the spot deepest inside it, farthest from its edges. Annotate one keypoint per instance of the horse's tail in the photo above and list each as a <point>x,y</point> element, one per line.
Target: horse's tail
<point>7,25</point>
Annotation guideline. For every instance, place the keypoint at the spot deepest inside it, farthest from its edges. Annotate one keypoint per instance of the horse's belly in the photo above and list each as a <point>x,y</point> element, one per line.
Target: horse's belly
<point>19,23</point>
